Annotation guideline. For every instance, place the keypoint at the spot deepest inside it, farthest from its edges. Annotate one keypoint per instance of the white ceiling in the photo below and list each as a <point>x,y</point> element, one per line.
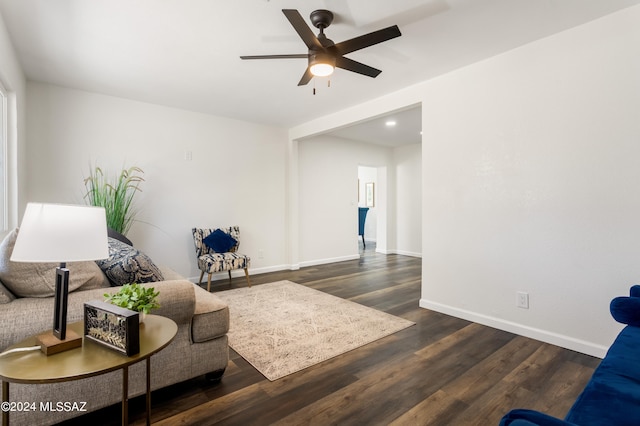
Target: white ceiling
<point>185,54</point>
<point>405,131</point>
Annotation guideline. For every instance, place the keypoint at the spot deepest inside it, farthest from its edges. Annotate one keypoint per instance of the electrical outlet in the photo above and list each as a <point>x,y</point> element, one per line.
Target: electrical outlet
<point>260,254</point>
<point>522,300</point>
<point>188,155</point>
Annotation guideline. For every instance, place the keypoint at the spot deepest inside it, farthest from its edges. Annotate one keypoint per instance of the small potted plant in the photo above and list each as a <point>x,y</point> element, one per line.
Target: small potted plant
<point>135,298</point>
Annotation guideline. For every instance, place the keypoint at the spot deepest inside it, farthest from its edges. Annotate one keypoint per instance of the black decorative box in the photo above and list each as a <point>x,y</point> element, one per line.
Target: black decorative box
<point>112,326</point>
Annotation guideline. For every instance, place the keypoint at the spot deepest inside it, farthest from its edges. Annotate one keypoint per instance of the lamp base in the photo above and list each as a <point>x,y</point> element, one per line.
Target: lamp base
<point>50,344</point>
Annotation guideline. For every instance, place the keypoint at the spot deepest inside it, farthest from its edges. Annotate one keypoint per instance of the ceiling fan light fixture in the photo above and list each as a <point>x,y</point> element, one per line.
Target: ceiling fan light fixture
<point>322,70</point>
<point>323,54</point>
<point>322,65</point>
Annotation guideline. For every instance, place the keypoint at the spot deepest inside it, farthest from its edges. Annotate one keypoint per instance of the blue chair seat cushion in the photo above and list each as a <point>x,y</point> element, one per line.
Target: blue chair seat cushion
<point>217,262</point>
<point>219,241</point>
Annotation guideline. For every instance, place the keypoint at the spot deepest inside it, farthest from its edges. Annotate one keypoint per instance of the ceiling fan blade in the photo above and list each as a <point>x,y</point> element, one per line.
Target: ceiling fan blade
<point>306,77</point>
<point>293,56</point>
<point>367,40</point>
<point>302,29</point>
<point>355,66</point>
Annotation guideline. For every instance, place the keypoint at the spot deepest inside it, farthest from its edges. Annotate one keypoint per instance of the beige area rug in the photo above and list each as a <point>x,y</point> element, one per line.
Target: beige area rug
<point>284,327</point>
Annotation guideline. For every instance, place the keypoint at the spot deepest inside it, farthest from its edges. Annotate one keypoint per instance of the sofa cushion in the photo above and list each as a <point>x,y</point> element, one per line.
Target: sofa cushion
<point>612,396</point>
<point>211,316</point>
<point>126,265</point>
<point>25,279</point>
<point>520,417</point>
<point>5,295</point>
<point>219,241</point>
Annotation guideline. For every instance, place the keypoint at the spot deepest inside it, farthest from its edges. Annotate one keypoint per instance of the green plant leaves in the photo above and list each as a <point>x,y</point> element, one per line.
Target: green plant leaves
<point>135,298</point>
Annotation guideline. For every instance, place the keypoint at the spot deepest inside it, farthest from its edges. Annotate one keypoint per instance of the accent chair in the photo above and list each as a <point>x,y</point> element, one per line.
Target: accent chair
<point>217,251</point>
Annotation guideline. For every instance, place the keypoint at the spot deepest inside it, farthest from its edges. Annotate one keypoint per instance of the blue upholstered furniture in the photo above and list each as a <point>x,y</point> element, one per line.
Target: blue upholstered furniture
<point>612,396</point>
<point>217,251</point>
<point>362,216</point>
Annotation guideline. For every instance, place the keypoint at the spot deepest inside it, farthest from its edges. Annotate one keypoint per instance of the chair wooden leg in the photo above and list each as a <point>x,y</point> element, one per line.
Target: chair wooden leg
<point>229,276</point>
<point>201,275</point>
<point>246,274</point>
<point>209,283</point>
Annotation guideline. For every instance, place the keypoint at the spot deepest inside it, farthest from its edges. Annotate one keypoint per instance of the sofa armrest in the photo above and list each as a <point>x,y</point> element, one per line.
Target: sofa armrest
<point>522,417</point>
<point>177,299</point>
<point>211,318</point>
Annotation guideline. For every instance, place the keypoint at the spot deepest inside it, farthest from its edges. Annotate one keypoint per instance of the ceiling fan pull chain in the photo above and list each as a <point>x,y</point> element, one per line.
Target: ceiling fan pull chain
<point>314,87</point>
<point>329,83</point>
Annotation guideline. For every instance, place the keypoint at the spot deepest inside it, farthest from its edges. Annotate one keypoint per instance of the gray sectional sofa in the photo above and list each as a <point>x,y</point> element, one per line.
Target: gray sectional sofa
<point>199,348</point>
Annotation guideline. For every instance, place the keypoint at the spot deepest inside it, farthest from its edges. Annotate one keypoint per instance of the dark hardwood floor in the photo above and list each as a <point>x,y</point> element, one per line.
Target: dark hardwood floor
<point>442,371</point>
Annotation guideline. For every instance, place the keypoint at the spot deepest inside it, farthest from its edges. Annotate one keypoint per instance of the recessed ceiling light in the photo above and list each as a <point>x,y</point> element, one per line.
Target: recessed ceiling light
<point>390,123</point>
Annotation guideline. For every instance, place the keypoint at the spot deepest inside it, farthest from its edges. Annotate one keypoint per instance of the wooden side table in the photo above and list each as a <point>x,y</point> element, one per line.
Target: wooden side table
<point>91,359</point>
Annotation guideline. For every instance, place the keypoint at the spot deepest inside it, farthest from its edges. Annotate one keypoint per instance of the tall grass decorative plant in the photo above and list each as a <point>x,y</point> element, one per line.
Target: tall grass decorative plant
<point>115,195</point>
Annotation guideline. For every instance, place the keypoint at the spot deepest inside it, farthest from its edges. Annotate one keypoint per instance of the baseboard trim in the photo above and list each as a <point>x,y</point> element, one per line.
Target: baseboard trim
<point>267,269</point>
<point>240,273</point>
<point>408,253</point>
<point>329,260</point>
<point>257,271</point>
<point>556,339</point>
<point>400,252</point>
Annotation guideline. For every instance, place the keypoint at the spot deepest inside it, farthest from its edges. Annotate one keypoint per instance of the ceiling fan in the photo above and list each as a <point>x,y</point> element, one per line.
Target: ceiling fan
<point>325,55</point>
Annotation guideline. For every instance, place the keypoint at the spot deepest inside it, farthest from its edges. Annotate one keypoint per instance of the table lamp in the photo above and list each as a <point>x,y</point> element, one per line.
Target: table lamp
<point>61,233</point>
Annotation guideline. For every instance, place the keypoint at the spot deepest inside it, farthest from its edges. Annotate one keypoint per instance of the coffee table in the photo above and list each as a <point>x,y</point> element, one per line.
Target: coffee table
<point>91,359</point>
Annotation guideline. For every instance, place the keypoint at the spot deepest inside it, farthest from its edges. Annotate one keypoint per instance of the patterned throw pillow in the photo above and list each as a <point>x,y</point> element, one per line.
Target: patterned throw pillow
<point>128,265</point>
<point>219,241</point>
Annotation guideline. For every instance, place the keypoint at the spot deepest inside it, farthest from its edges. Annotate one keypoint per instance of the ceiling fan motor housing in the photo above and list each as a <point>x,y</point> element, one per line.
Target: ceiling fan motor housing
<point>321,18</point>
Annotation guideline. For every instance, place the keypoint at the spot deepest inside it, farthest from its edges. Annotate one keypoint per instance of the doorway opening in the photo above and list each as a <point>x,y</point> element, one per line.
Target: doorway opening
<point>368,207</point>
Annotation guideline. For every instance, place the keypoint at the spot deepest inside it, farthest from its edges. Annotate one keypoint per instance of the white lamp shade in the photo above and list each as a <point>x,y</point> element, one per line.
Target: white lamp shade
<point>61,233</point>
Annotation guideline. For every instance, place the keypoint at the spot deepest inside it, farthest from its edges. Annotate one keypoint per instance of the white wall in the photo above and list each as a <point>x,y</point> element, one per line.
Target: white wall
<point>236,177</point>
<point>408,200</point>
<point>530,182</point>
